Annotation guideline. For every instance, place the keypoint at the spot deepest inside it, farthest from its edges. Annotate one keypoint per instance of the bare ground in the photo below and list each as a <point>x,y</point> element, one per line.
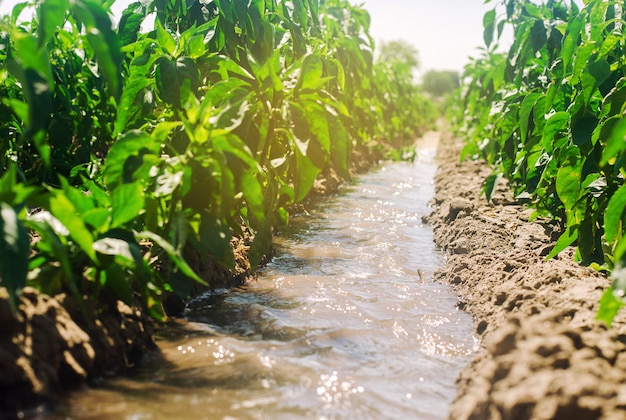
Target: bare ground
<point>543,355</point>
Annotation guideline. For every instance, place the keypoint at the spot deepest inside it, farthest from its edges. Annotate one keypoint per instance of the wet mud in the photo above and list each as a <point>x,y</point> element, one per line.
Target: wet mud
<point>543,355</point>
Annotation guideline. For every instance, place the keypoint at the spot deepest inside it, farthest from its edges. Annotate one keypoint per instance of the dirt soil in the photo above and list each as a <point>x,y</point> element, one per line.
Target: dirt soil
<point>50,347</point>
<point>543,355</point>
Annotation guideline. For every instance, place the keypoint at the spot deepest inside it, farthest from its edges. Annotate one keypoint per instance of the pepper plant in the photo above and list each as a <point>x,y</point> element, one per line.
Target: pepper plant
<point>125,149</point>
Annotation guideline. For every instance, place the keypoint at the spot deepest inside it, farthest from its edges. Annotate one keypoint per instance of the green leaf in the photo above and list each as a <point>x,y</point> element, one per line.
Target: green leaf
<point>311,73</point>
<point>129,26</point>
<point>317,118</point>
<point>131,103</point>
<point>98,218</point>
<point>14,253</point>
<point>613,215</point>
<point>582,130</point>
<point>127,201</point>
<point>568,183</point>
<point>70,217</point>
<point>51,17</point>
<point>103,40</point>
<point>133,144</point>
<point>340,147</point>
<point>566,239</point>
<point>525,111</point>
<point>555,124</point>
<point>538,35</point>
<point>489,20</point>
<point>166,41</point>
<point>215,237</point>
<point>490,185</point>
<point>253,193</point>
<point>570,42</point>
<point>609,307</point>
<point>616,143</point>
<point>35,76</point>
<point>167,82</point>
<point>307,171</point>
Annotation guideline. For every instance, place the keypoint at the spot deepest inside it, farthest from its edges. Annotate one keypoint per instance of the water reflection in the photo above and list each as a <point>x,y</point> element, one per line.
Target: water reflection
<point>340,325</point>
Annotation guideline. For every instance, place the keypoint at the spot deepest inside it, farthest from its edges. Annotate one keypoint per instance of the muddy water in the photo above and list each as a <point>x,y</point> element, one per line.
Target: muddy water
<point>344,323</point>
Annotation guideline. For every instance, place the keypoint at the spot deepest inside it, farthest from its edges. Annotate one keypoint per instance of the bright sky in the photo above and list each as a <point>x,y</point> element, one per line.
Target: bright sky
<point>445,32</point>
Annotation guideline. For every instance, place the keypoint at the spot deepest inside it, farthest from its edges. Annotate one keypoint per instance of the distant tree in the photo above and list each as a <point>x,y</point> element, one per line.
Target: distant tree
<point>400,55</point>
<point>439,83</point>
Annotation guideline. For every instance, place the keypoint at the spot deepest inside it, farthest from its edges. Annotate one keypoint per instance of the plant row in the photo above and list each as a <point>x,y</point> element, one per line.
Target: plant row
<point>124,150</point>
<point>549,116</point>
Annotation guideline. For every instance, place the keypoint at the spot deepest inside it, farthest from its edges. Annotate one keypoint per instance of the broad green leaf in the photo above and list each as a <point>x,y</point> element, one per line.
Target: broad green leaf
<point>14,253</point>
<point>582,59</point>
<point>317,118</point>
<point>30,56</point>
<point>568,183</point>
<point>489,20</point>
<point>566,239</point>
<point>582,129</point>
<point>167,81</point>
<point>127,202</point>
<point>307,172</point>
<point>103,40</point>
<point>538,35</point>
<point>613,215</point>
<point>311,73</point>
<point>340,146</point>
<point>129,26</point>
<point>525,111</point>
<point>490,184</point>
<point>69,216</point>
<point>35,75</point>
<point>51,15</point>
<point>132,144</point>
<point>98,218</point>
<point>616,143</point>
<point>215,236</point>
<point>609,44</point>
<point>570,42</point>
<point>609,306</point>
<point>253,193</point>
<point>166,41</point>
<point>131,103</point>
<point>555,124</point>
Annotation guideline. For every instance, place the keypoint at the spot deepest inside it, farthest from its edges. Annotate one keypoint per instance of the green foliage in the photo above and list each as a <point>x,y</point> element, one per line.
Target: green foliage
<point>549,117</point>
<point>440,83</point>
<point>138,148</point>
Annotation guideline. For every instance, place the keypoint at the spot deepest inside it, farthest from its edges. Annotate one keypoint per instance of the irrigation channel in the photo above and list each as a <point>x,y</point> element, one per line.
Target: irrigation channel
<point>345,322</point>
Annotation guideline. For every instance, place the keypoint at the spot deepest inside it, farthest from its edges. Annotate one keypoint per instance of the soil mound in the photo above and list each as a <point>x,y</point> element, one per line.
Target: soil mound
<point>543,355</point>
<point>50,347</point>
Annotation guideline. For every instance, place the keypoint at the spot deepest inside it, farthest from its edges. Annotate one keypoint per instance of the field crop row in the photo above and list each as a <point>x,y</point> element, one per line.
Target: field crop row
<point>122,150</point>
